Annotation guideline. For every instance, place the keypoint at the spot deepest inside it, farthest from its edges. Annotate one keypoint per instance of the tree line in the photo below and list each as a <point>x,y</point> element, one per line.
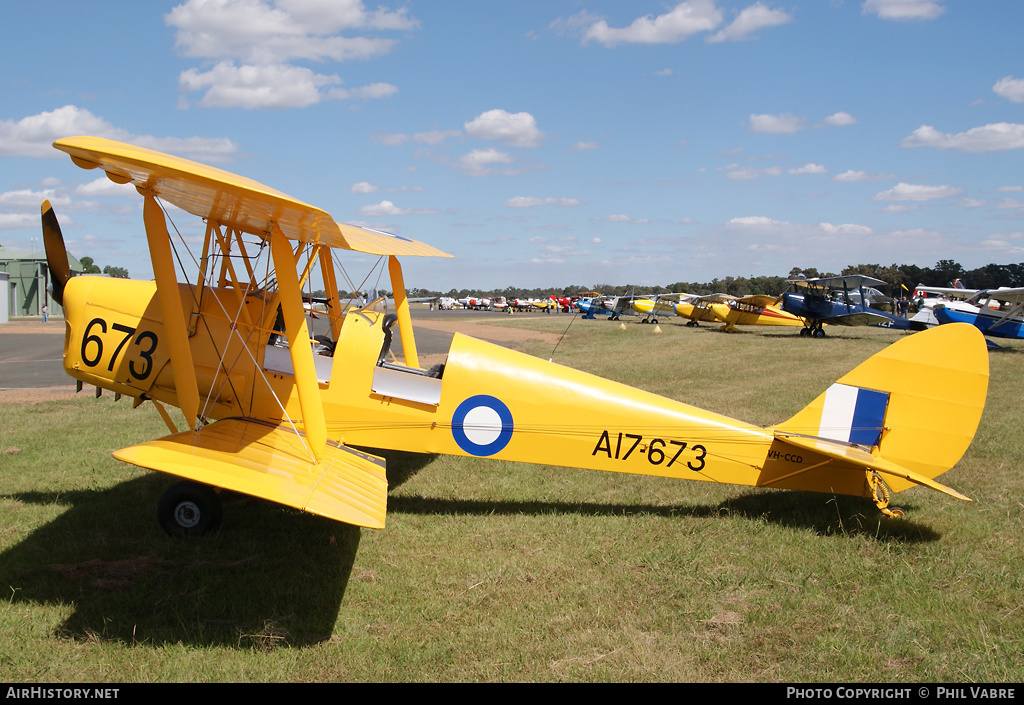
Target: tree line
<point>901,278</point>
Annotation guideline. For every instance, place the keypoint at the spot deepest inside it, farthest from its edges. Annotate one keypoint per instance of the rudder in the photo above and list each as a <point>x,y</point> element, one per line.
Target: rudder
<point>918,401</point>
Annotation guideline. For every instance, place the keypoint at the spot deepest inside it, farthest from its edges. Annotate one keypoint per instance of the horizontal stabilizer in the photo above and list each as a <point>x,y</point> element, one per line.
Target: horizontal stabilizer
<point>858,456</point>
<point>273,463</point>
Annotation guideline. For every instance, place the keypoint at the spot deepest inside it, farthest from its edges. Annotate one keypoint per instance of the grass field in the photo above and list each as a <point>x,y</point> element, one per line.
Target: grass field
<point>494,571</point>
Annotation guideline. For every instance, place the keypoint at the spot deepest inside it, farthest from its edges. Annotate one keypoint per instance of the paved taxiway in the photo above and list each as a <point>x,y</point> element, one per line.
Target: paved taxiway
<point>31,353</point>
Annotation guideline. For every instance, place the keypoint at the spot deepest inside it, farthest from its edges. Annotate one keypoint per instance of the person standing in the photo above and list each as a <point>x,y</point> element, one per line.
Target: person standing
<point>45,312</point>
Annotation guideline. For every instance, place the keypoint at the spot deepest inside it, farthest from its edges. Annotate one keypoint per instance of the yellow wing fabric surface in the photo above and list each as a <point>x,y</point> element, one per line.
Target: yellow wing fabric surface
<point>271,462</point>
<point>229,199</point>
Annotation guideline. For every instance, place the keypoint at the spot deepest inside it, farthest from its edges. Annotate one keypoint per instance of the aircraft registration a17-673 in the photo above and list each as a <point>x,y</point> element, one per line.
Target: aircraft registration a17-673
<point>842,301</point>
<point>270,412</point>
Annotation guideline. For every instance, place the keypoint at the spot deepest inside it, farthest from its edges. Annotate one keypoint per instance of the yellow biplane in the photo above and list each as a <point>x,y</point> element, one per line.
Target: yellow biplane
<point>271,412</point>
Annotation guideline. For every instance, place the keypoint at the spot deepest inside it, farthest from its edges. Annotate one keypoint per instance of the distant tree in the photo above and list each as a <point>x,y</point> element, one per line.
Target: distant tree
<point>116,272</point>
<point>88,267</point>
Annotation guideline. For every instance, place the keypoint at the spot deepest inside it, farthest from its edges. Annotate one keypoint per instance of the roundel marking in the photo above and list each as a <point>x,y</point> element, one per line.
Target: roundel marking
<point>482,425</point>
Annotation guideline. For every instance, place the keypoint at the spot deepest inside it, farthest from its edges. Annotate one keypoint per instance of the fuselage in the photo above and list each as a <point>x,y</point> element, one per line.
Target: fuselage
<point>989,322</point>
<point>116,340</point>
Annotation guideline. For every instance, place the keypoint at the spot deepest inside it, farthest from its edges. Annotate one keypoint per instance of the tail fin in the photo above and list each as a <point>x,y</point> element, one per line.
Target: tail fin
<point>908,413</point>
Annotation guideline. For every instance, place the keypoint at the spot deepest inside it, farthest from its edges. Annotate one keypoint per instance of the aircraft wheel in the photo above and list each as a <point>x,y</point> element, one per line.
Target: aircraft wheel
<point>189,509</point>
<point>819,333</point>
<point>644,320</point>
<point>654,321</point>
<point>896,513</point>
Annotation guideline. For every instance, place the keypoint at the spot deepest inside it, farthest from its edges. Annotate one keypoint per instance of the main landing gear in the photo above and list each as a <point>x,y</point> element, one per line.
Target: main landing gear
<point>189,509</point>
<point>813,331</point>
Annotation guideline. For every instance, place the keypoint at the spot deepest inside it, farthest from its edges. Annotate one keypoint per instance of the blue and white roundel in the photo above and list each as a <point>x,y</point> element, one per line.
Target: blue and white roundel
<point>482,425</point>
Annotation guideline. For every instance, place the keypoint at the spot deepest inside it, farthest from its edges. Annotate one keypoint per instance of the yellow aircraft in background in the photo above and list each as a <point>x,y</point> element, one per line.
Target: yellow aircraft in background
<point>698,309</point>
<point>270,412</point>
<point>753,310</point>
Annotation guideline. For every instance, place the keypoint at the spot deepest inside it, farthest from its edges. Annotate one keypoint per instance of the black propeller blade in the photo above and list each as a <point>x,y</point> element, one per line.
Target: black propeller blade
<point>56,252</point>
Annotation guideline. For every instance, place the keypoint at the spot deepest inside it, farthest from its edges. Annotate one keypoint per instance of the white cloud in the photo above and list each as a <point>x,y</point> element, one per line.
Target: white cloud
<point>750,20</point>
<point>387,208</point>
<point>431,137</point>
<point>845,229</point>
<point>756,221</point>
<point>777,124</point>
<point>809,169</point>
<point>1010,88</point>
<point>374,91</point>
<point>19,221</point>
<point>855,176</point>
<point>21,198</point>
<point>248,86</point>
<point>384,208</point>
<point>583,146</point>
<point>917,192</point>
<point>676,25</point>
<point>263,32</point>
<point>101,187</point>
<point>533,202</point>
<point>33,136</point>
<point>997,137</point>
<point>620,218</point>
<point>264,36</point>
<point>479,161</point>
<point>904,9</point>
<point>270,86</point>
<point>840,120</point>
<point>364,187</point>
<point>518,130</point>
<point>746,173</point>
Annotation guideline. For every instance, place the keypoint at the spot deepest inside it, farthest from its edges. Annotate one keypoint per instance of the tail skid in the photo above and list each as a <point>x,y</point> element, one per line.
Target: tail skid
<point>904,416</point>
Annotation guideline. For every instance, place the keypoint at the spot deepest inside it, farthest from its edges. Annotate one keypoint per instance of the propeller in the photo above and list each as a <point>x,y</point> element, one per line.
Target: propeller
<point>56,252</point>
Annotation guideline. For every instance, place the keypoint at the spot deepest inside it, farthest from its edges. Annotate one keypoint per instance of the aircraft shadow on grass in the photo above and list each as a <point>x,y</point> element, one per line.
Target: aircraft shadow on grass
<point>277,577</point>
<point>852,516</point>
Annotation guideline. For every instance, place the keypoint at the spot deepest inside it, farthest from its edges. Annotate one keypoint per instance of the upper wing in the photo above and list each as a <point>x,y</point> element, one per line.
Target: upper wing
<point>947,291</point>
<point>761,300</point>
<point>849,281</point>
<point>1007,295</point>
<point>232,200</point>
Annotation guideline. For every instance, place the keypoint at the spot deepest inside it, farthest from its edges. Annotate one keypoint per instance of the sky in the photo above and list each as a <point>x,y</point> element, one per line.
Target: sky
<point>543,143</point>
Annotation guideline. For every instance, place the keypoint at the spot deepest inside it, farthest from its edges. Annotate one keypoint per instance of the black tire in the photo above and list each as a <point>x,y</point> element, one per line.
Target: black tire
<point>819,333</point>
<point>189,509</point>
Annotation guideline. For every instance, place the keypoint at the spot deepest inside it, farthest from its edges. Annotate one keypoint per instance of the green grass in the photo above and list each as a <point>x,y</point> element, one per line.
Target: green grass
<point>493,571</point>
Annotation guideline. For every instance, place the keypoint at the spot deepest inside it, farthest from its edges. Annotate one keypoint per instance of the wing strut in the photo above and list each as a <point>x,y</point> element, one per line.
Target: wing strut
<point>298,343</point>
<point>185,385</point>
<point>402,309</point>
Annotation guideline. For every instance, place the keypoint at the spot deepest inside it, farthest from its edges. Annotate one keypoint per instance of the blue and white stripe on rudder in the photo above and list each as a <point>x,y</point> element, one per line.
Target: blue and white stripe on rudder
<point>853,414</point>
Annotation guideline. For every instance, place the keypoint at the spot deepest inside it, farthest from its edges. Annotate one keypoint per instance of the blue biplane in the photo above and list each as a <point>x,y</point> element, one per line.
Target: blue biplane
<point>848,300</point>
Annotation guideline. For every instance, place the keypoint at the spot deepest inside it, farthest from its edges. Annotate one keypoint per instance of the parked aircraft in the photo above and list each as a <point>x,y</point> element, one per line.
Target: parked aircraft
<point>754,310</point>
<point>590,308</point>
<point>698,309</point>
<point>266,416</point>
<point>995,312</point>
<point>842,301</point>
